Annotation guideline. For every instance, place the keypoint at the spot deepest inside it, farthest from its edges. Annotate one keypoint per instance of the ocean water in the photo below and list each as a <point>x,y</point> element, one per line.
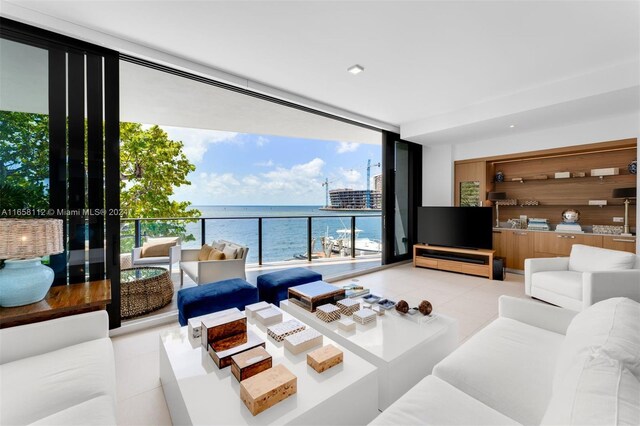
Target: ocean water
<point>283,236</point>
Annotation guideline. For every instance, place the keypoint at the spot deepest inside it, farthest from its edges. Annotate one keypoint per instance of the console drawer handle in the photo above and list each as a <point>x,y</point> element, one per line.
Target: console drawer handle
<point>566,236</point>
<point>620,240</point>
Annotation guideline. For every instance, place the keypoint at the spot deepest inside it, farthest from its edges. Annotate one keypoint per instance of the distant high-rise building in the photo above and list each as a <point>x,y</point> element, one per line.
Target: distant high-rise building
<point>354,199</point>
<point>377,182</point>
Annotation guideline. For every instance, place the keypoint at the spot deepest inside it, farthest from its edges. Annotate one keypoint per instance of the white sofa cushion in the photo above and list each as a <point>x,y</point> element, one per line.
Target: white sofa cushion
<point>38,387</point>
<point>597,391</point>
<point>566,283</point>
<point>94,412</point>
<point>508,366</point>
<point>191,269</point>
<point>591,259</point>
<point>612,327</point>
<point>435,402</point>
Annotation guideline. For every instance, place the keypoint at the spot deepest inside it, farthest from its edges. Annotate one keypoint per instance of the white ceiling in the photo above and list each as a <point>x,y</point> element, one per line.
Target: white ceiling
<point>423,59</point>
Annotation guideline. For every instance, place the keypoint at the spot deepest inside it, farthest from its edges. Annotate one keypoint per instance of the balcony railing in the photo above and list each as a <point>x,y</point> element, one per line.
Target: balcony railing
<point>139,232</point>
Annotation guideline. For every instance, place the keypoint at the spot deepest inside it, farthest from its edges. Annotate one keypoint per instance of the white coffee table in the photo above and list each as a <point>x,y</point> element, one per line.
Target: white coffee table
<point>198,393</point>
<point>404,349</point>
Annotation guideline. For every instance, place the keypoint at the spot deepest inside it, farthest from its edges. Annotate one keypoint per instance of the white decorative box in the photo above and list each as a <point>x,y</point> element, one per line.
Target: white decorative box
<point>611,171</point>
<point>562,175</point>
<point>269,316</point>
<point>328,312</point>
<point>346,324</point>
<point>279,331</point>
<point>302,341</point>
<point>364,316</point>
<point>348,306</point>
<point>251,310</point>
<point>597,202</point>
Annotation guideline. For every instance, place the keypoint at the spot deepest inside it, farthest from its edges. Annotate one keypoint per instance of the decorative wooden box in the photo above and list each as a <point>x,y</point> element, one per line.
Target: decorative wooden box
<point>269,316</point>
<point>324,358</point>
<point>266,389</point>
<point>250,363</point>
<point>364,316</point>
<point>223,358</point>
<point>225,331</point>
<point>310,296</point>
<point>328,312</point>
<point>302,341</point>
<point>279,331</point>
<point>348,306</point>
<point>251,310</point>
<point>195,323</point>
<point>346,324</point>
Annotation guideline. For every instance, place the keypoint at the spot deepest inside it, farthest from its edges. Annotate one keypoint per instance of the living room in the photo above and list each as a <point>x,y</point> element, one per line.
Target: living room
<point>506,287</point>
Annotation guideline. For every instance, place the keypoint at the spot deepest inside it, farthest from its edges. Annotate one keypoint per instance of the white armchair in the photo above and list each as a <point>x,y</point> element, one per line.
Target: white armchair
<point>173,255</point>
<point>208,271</point>
<point>588,275</point>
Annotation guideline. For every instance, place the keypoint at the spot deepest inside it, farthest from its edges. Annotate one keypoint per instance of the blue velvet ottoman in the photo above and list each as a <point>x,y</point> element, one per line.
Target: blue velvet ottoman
<point>274,287</point>
<point>214,297</point>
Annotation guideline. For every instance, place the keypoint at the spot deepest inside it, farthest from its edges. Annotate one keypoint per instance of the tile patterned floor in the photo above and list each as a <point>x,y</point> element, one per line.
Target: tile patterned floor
<point>472,301</point>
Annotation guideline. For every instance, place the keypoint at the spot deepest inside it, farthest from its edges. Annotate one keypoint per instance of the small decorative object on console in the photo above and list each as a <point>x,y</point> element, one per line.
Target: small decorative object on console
<point>570,216</point>
<point>223,358</point>
<point>526,203</point>
<point>425,307</point>
<point>633,167</point>
<point>607,229</point>
<point>386,303</point>
<point>371,298</point>
<point>328,312</point>
<point>562,175</point>
<point>364,316</point>
<point>499,176</point>
<point>224,331</point>
<point>250,363</point>
<point>269,316</point>
<point>611,171</point>
<point>598,203</point>
<point>279,331</point>
<point>267,388</point>
<point>324,358</point>
<point>348,306</point>
<point>402,307</point>
<point>346,324</point>
<point>303,340</point>
<point>251,310</point>
<point>310,296</point>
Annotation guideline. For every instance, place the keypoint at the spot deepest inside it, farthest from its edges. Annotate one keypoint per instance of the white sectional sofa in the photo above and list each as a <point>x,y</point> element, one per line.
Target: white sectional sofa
<point>58,372</point>
<point>535,364</point>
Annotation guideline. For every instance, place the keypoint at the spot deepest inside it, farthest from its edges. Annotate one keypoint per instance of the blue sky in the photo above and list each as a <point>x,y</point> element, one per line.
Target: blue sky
<point>250,169</point>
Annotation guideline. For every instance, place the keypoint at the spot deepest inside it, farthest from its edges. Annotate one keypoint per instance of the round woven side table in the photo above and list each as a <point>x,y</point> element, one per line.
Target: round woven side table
<point>143,290</point>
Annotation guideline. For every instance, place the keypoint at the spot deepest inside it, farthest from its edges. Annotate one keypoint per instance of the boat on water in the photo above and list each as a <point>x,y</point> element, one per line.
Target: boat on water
<point>341,245</point>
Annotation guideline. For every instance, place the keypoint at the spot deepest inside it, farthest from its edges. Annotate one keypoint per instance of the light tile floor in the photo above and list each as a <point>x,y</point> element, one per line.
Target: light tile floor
<point>472,301</point>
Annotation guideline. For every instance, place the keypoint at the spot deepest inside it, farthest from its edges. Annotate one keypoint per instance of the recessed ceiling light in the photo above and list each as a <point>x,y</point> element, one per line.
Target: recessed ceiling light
<point>512,126</point>
<point>355,69</point>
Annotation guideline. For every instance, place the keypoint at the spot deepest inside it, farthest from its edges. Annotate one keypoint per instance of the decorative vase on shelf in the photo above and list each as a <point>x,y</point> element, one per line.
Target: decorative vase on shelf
<point>499,176</point>
<point>570,216</point>
<point>633,167</point>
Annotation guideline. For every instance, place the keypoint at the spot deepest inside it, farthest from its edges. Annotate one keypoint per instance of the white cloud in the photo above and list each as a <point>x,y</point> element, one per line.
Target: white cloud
<point>268,163</point>
<point>262,141</point>
<point>196,141</point>
<point>351,176</point>
<point>344,147</point>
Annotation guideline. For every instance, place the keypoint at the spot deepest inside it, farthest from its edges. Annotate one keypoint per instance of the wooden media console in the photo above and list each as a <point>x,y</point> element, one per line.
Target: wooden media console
<point>466,261</point>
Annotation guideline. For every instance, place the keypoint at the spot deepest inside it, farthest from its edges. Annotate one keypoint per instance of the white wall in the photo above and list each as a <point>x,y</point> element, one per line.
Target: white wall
<point>438,167</point>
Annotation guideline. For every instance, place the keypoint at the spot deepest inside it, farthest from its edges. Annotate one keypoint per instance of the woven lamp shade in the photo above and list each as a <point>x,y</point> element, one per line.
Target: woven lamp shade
<point>28,238</point>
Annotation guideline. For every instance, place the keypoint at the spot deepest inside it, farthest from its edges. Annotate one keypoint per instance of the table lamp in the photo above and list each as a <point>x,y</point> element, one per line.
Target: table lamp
<point>495,197</point>
<point>625,193</point>
<point>24,279</point>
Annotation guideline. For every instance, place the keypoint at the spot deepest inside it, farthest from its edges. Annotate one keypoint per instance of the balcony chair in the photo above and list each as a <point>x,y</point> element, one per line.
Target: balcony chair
<point>157,251</point>
<point>588,275</point>
<point>209,271</point>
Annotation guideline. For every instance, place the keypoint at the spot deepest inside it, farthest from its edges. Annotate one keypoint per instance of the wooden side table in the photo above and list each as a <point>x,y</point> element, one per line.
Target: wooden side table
<point>60,301</point>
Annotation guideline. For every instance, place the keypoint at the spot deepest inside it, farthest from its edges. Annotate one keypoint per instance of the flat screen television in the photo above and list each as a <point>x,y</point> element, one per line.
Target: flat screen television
<point>461,227</point>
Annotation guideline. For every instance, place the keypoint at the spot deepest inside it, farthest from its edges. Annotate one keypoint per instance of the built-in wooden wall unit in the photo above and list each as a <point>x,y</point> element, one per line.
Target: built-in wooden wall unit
<point>531,176</point>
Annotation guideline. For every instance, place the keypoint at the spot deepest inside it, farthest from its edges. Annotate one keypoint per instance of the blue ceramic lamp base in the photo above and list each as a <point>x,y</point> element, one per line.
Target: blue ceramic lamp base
<point>24,281</point>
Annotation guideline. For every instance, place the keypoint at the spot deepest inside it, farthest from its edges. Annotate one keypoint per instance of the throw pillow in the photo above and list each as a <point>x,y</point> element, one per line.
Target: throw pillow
<point>591,259</point>
<point>205,251</point>
<point>216,255</point>
<point>157,247</point>
<point>612,327</point>
<point>218,245</point>
<point>229,252</point>
<point>597,391</point>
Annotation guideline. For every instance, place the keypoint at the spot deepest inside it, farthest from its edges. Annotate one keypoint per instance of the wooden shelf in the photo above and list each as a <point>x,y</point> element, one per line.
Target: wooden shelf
<point>565,180</point>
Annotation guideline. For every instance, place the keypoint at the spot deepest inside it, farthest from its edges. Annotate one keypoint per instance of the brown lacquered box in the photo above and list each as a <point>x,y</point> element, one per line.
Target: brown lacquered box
<point>223,358</point>
<point>310,296</point>
<point>250,363</point>
<point>229,330</point>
